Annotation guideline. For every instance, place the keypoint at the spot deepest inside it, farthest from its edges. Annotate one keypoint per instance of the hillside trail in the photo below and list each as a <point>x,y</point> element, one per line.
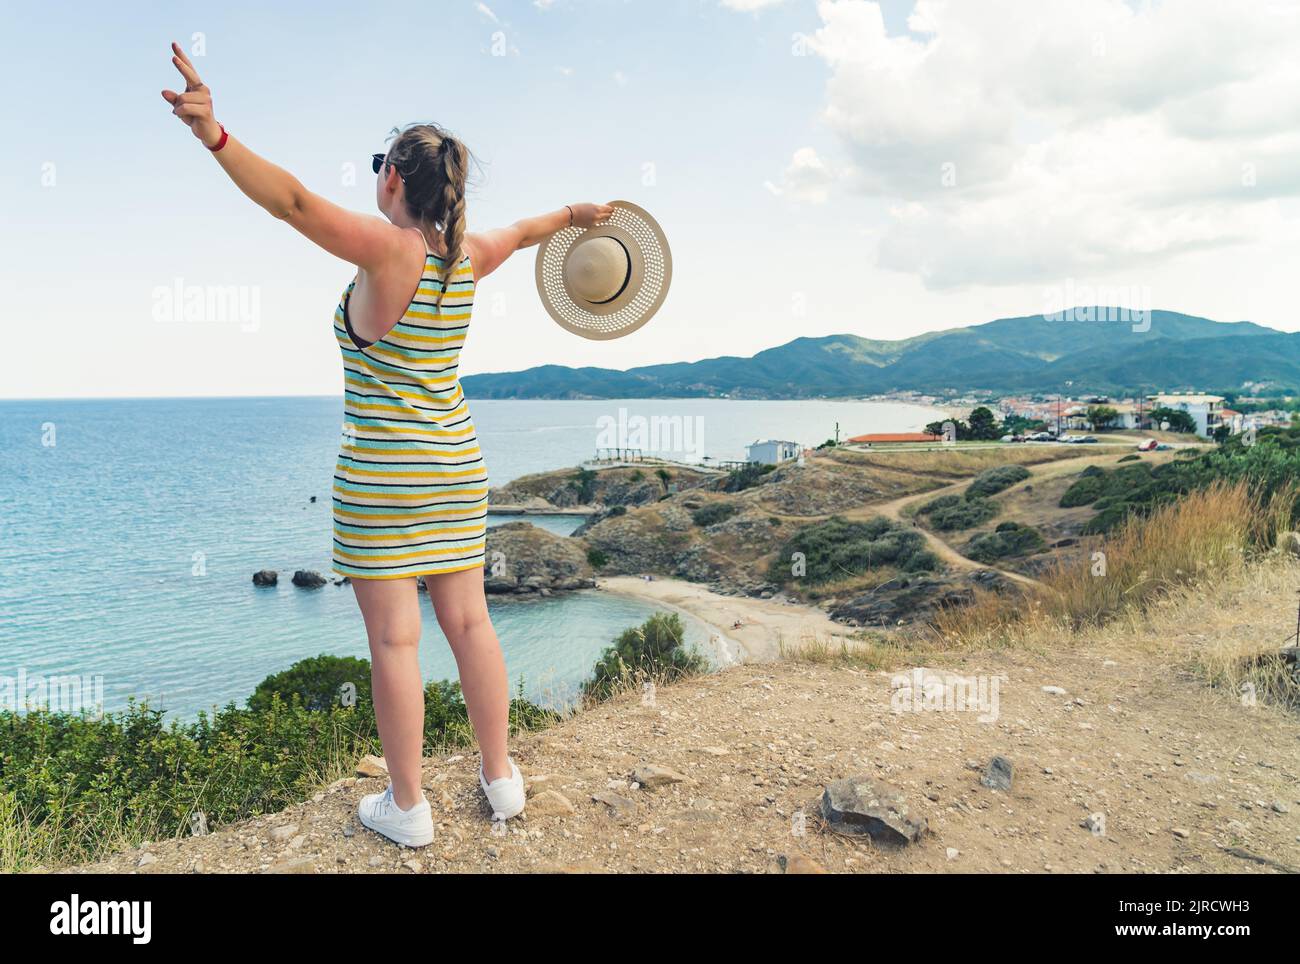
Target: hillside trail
<point>895,510</point>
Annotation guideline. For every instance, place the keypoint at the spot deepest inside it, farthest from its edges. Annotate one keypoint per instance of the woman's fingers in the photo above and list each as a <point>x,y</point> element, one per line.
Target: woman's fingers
<point>182,63</point>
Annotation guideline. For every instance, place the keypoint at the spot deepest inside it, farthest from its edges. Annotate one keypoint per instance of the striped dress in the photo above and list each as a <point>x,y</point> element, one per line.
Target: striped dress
<point>410,486</point>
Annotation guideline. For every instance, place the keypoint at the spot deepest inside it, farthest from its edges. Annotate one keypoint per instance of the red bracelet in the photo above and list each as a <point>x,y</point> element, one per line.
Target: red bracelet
<point>222,142</point>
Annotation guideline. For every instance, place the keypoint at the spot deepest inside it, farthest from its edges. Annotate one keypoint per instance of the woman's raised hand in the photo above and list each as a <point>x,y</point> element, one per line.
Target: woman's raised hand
<point>586,214</point>
<point>194,106</point>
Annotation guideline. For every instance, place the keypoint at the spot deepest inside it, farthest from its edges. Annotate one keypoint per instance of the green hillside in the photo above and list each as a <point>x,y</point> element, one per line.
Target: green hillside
<point>1030,354</point>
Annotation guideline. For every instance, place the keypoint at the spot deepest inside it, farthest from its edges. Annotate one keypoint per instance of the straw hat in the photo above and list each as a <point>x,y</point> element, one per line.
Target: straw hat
<point>608,280</point>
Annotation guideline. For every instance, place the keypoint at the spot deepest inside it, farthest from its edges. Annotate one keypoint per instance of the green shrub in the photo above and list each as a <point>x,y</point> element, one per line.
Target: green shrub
<point>746,477</point>
<point>597,559</point>
<point>319,682</point>
<point>922,561</point>
<point>838,548</point>
<point>1009,539</point>
<point>995,480</point>
<point>942,502</point>
<point>653,651</point>
<point>74,788</point>
<point>1130,458</point>
<point>713,513</point>
<point>966,514</point>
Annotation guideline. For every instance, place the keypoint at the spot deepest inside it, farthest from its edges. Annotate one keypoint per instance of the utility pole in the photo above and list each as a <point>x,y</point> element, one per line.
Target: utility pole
<point>837,434</point>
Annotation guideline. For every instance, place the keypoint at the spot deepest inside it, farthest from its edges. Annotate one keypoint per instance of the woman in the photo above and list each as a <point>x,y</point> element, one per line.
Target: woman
<point>410,492</point>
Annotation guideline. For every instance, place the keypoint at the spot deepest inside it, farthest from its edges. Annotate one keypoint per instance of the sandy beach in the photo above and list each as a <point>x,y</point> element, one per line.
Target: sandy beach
<point>765,625</point>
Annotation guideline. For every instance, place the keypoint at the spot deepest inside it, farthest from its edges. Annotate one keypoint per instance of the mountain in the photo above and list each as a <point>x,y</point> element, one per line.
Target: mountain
<point>1024,355</point>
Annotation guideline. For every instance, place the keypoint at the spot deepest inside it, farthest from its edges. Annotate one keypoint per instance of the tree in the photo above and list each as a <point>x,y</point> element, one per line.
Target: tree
<point>1101,416</point>
<point>1179,421</point>
<point>960,429</point>
<point>984,425</point>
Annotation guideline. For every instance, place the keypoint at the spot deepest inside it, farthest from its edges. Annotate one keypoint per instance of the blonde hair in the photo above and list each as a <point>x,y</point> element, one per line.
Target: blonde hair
<point>435,168</point>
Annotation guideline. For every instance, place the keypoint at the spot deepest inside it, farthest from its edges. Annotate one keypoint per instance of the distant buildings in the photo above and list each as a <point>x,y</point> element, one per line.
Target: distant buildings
<point>1205,410</point>
<point>772,451</point>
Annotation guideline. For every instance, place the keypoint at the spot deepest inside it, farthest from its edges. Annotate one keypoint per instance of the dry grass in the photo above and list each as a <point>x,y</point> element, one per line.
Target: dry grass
<point>958,463</point>
<point>1194,579</point>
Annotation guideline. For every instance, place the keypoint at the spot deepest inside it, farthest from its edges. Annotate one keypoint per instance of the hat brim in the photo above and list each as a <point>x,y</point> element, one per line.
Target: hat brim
<point>651,271</point>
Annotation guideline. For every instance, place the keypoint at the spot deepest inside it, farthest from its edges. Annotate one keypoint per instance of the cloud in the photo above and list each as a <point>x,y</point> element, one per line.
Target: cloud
<point>749,6</point>
<point>484,9</point>
<point>807,178</point>
<point>1019,141</point>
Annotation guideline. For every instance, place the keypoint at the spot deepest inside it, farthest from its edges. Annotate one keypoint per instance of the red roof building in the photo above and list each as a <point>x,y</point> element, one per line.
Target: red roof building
<point>886,437</point>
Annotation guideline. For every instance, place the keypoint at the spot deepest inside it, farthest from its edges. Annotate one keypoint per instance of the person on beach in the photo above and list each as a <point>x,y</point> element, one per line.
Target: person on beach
<point>410,486</point>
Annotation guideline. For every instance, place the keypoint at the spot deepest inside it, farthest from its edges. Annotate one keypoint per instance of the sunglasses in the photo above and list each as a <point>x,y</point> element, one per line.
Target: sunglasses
<point>378,160</point>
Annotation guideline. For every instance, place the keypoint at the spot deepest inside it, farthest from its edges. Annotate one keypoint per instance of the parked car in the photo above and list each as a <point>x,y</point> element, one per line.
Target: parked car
<point>1147,445</point>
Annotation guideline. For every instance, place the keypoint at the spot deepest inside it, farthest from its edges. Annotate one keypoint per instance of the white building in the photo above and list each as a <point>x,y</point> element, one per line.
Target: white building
<point>772,452</point>
<point>1204,409</point>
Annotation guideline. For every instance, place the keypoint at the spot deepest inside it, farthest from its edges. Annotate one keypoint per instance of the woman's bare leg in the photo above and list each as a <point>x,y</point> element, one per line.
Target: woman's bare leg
<point>391,609</point>
<point>461,608</point>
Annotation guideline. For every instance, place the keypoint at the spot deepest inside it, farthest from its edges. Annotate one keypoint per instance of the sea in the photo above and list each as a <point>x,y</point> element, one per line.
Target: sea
<point>130,530</point>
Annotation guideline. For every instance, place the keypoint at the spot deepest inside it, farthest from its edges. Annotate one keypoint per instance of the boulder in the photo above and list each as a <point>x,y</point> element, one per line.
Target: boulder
<point>308,579</point>
<point>997,775</point>
<point>863,805</point>
<point>265,577</point>
<point>527,560</point>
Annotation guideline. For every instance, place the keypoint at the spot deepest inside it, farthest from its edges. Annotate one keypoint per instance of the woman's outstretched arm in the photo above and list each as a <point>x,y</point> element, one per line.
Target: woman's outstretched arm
<point>490,249</point>
<point>364,240</point>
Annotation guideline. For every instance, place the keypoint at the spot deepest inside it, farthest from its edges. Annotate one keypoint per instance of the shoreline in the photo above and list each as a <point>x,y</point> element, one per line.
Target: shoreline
<point>765,624</point>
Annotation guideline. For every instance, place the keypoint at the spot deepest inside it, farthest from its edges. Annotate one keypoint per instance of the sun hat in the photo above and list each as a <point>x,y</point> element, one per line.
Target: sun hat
<point>608,280</point>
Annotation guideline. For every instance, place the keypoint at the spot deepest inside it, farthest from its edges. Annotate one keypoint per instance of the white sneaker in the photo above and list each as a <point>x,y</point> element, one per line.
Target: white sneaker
<point>505,794</point>
<point>411,828</point>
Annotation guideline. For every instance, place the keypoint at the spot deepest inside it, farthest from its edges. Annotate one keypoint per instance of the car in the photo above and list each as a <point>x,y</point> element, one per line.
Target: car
<point>1086,439</point>
<point>1147,445</point>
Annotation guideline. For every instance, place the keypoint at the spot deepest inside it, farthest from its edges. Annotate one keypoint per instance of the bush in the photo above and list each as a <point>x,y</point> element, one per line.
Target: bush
<point>1131,458</point>
<point>965,514</point>
<point>319,682</point>
<point>943,502</point>
<point>713,513</point>
<point>994,480</point>
<point>652,652</point>
<point>74,788</point>
<point>1009,539</point>
<point>597,559</point>
<point>746,477</point>
<point>922,561</point>
<point>838,548</point>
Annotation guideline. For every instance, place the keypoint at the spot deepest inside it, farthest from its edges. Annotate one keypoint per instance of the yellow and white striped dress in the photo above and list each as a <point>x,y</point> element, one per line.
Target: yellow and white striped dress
<point>410,486</point>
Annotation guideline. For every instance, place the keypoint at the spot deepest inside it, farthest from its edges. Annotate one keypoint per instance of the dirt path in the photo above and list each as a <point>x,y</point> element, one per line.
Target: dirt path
<point>894,509</point>
<point>1178,772</point>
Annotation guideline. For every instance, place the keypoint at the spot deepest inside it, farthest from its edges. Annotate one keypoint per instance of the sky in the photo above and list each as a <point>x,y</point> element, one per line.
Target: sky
<point>819,168</point>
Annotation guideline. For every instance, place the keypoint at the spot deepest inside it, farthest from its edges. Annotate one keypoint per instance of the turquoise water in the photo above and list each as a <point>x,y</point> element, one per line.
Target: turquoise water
<point>130,529</point>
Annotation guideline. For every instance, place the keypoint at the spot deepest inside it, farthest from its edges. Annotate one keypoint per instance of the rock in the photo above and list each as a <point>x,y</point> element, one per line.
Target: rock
<point>997,775</point>
<point>376,861</point>
<point>1289,542</point>
<point>862,805</point>
<point>283,833</point>
<point>308,579</point>
<point>147,859</point>
<point>620,805</point>
<point>372,766</point>
<point>1180,832</point>
<point>1054,690</point>
<point>1280,807</point>
<point>266,577</point>
<point>1095,822</point>
<point>550,803</point>
<point>298,865</point>
<point>952,853</point>
<point>525,559</point>
<point>799,864</point>
<point>414,866</point>
<point>651,776</point>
